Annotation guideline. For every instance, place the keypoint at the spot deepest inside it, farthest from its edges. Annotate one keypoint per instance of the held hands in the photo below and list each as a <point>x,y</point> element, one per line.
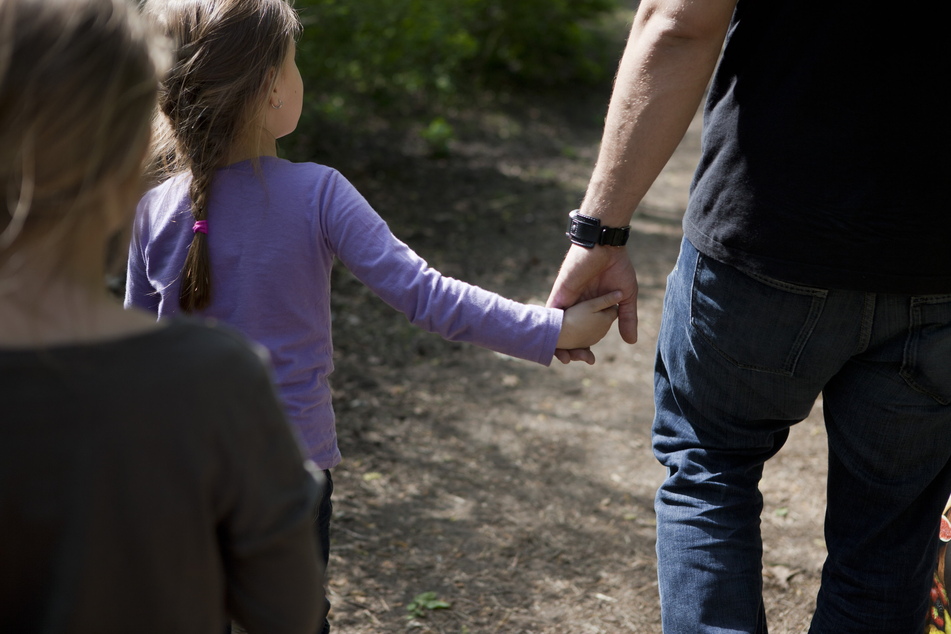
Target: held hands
<point>590,273</point>
<point>586,323</point>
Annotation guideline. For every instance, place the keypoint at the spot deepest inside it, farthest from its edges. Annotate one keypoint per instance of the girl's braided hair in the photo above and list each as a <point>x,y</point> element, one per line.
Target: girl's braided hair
<point>223,52</point>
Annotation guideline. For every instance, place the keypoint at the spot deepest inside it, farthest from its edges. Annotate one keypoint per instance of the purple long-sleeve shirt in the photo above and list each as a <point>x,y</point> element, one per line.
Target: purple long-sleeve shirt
<point>272,235</point>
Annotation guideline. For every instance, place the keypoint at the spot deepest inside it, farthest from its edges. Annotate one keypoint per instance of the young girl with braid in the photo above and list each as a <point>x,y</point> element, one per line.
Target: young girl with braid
<point>235,233</point>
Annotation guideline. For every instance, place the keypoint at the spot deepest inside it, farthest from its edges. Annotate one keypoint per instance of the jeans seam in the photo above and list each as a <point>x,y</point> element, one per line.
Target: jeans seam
<point>790,287</point>
<point>930,299</point>
<point>868,322</point>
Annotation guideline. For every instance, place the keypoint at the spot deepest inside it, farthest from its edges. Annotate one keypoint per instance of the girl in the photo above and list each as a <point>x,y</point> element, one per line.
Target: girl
<point>148,480</point>
<point>235,233</point>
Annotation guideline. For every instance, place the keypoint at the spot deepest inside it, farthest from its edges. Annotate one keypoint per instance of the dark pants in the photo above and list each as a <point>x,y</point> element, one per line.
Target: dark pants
<point>322,514</point>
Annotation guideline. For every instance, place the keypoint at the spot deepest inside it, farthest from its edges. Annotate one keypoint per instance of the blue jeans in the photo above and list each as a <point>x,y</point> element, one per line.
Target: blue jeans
<point>742,358</point>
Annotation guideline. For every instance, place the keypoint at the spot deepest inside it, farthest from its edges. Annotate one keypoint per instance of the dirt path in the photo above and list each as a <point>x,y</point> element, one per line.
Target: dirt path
<point>520,495</point>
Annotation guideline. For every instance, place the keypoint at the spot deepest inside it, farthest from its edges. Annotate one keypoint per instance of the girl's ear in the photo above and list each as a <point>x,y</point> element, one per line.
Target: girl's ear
<point>271,87</point>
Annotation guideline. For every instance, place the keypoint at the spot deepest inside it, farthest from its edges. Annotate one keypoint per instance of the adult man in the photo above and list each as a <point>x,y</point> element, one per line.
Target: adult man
<point>816,260</point>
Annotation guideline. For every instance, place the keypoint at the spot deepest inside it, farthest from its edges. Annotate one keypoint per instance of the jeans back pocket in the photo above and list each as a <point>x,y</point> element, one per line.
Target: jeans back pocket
<point>754,321</point>
<point>927,361</point>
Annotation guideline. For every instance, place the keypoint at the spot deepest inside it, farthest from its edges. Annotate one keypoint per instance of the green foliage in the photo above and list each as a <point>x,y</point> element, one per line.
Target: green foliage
<point>382,49</point>
<point>544,41</point>
<point>423,603</point>
<point>403,56</point>
<point>437,136</point>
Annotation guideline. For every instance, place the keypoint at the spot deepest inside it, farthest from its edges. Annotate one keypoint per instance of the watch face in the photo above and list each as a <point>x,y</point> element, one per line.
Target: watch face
<point>582,233</point>
<point>588,232</point>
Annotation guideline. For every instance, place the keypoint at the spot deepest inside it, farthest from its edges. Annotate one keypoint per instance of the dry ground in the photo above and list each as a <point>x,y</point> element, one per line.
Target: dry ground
<point>520,495</point>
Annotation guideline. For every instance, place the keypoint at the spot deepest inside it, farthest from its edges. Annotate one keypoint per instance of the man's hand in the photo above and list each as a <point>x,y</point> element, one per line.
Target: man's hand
<point>589,273</point>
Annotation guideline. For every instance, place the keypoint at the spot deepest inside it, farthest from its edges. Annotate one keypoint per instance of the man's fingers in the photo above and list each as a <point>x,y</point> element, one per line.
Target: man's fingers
<point>627,321</point>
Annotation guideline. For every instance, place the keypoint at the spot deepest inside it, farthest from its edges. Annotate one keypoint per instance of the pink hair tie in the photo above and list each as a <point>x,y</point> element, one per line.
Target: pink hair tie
<point>200,225</point>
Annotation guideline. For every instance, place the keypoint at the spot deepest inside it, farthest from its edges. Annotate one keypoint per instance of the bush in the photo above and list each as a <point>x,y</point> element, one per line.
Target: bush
<point>408,55</point>
<point>548,42</point>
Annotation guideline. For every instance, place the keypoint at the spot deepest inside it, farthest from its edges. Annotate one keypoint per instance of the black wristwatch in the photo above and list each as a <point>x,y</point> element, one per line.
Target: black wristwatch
<point>587,232</point>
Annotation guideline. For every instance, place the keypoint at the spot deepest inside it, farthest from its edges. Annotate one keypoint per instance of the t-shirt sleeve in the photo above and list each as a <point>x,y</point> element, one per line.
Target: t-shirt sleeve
<point>453,309</point>
<point>267,499</point>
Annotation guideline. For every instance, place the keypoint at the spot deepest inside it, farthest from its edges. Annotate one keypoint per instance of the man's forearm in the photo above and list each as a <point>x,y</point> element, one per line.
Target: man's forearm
<point>670,55</point>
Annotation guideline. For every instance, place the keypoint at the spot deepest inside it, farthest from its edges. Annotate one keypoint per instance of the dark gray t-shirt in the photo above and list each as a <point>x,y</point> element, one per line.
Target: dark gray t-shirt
<point>152,484</point>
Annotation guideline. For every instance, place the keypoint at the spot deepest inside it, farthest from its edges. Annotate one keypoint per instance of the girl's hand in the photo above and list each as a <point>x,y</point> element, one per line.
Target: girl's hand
<point>586,323</point>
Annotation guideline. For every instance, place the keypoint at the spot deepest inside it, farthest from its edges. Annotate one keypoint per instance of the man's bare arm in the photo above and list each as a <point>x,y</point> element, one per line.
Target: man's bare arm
<point>672,50</point>
<point>670,56</point>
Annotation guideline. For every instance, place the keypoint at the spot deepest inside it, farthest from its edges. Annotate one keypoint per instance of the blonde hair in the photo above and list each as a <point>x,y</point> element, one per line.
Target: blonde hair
<point>78,79</point>
<point>224,52</point>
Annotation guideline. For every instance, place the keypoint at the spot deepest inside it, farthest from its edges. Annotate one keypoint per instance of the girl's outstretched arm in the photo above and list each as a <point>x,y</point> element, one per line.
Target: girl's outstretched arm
<point>586,323</point>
